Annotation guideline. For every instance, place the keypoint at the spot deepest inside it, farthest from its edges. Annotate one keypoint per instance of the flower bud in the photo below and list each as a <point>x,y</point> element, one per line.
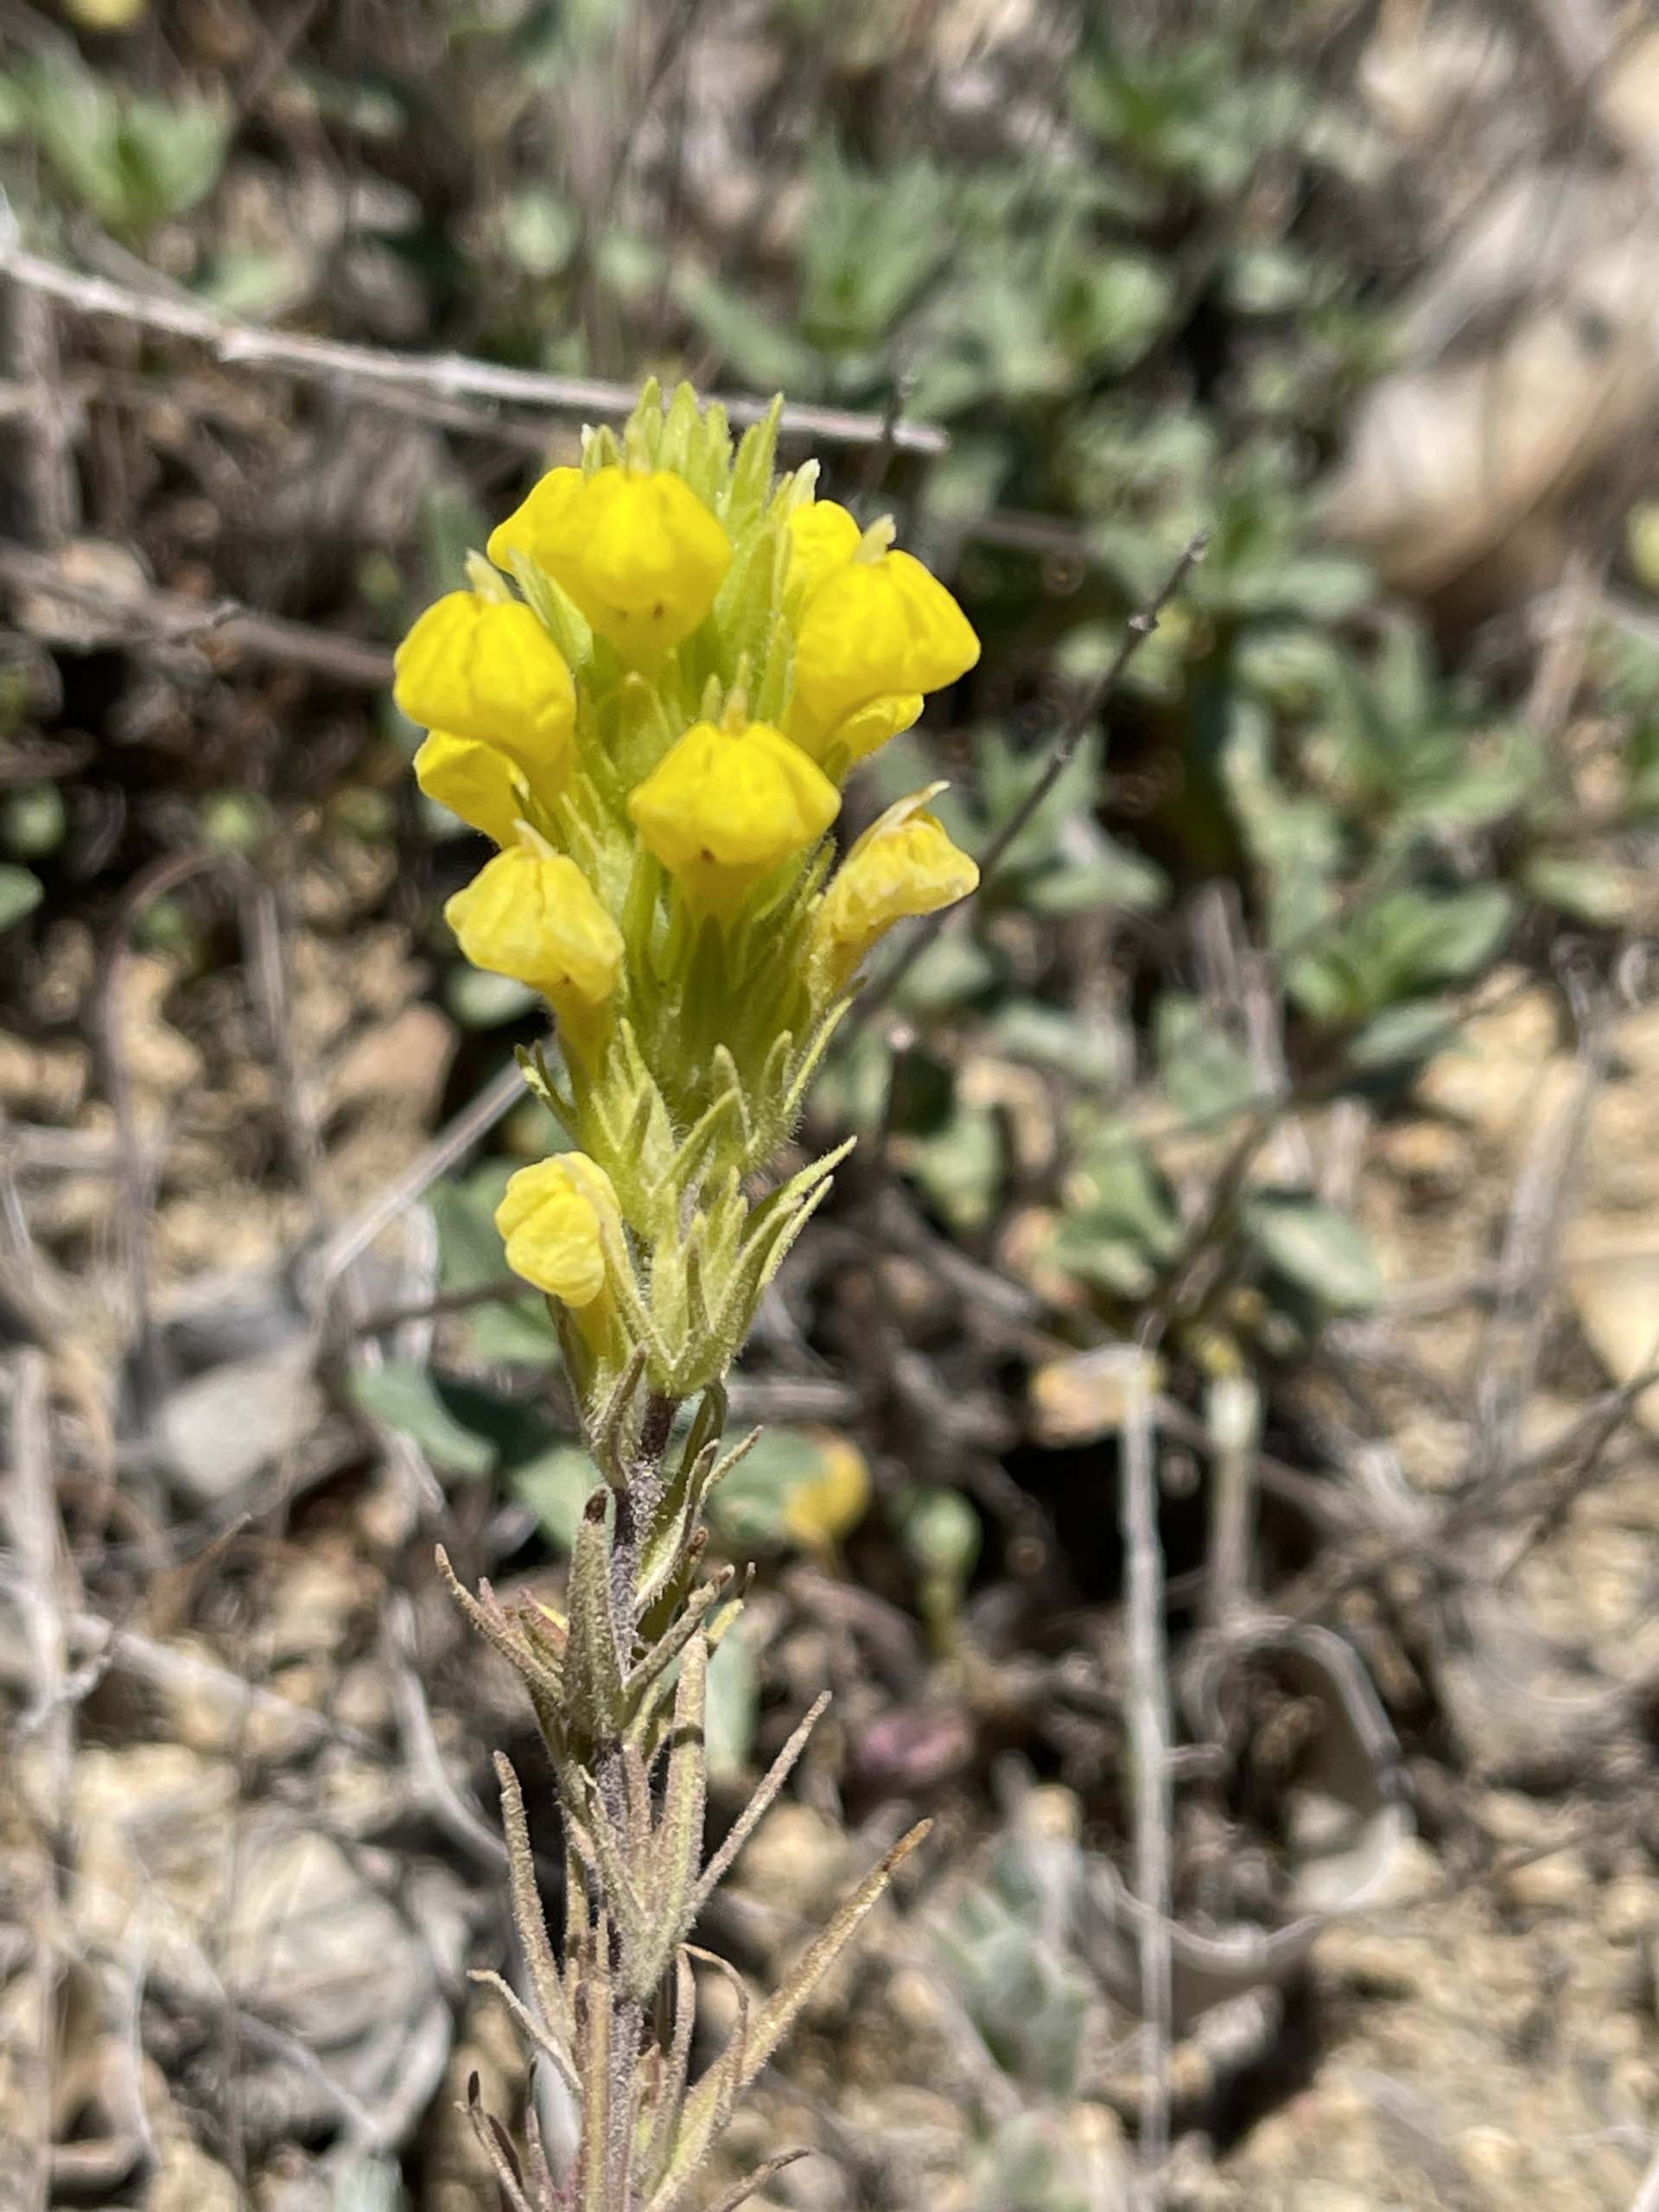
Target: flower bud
<point>905,864</point>
<point>554,1219</point>
<point>473,780</point>
<point>636,549</point>
<point>876,632</point>
<point>486,669</point>
<point>534,916</point>
<point>727,805</point>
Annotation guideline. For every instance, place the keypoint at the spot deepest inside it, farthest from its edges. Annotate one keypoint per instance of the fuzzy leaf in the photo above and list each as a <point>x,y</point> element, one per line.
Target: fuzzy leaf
<point>592,1662</point>
<point>701,2123</point>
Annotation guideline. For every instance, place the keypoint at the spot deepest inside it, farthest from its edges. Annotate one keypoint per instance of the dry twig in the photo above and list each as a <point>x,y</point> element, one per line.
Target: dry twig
<point>446,375</point>
<point>1149,1742</point>
<point>36,1540</point>
<point>169,619</point>
<point>1088,704</point>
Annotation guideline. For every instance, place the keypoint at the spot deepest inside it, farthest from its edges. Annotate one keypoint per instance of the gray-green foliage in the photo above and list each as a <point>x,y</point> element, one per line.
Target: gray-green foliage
<point>131,160</point>
<point>1002,1951</point>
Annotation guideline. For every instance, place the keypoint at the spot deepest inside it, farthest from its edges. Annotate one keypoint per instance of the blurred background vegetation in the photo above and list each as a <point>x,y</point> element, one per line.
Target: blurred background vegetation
<point>1299,1038</point>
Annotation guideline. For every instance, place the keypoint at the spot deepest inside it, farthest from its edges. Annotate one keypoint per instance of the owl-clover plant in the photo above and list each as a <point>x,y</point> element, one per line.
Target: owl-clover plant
<point>650,698</point>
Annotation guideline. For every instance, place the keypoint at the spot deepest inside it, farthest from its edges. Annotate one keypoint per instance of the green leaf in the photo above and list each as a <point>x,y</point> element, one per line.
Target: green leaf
<point>1399,947</point>
<point>554,1486</point>
<point>1208,1076</point>
<point>539,229</point>
<point>1090,1049</point>
<point>962,1166</point>
<point>479,1001</point>
<point>733,1705</point>
<point>1324,1253</point>
<point>506,1332</point>
<point>1121,1221</point>
<point>1110,876</point>
<point>869,240</point>
<point>21,893</point>
<point>1029,2002</point>
<point>1589,890</point>
<point>953,970</point>
<point>1402,1035</point>
<point>762,353</point>
<point>406,1397</point>
<point>1452,938</point>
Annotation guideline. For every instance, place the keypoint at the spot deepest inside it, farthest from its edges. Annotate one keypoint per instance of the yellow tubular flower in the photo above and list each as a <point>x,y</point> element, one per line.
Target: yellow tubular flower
<point>823,537</point>
<point>874,634</point>
<point>903,864</point>
<point>554,1218</point>
<point>485,669</point>
<point>534,916</point>
<point>635,549</point>
<point>724,806</point>
<point>473,780</point>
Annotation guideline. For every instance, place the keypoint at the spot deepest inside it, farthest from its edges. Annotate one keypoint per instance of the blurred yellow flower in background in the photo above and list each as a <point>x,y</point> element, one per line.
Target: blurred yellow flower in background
<point>835,1498</point>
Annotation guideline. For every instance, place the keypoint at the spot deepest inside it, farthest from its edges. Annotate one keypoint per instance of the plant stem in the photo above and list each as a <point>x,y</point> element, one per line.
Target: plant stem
<point>637,1499</point>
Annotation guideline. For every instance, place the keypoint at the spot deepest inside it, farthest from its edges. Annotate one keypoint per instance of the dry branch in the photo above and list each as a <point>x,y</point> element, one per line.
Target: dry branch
<point>1088,704</point>
<point>1149,1743</point>
<point>446,375</point>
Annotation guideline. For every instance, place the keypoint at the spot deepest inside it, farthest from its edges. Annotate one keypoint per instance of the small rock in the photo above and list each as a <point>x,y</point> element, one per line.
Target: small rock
<point>223,1427</point>
<point>405,1059</point>
<point>1553,1885</point>
<point>1629,1909</point>
<point>1494,2160</point>
<point>794,1861</point>
<point>187,2180</point>
<point>1432,1154</point>
<point>156,1057</point>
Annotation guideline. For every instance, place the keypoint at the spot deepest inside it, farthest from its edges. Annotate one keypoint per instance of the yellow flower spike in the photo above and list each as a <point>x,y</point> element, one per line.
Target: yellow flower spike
<point>727,805</point>
<point>636,549</point>
<point>475,781</point>
<point>905,864</point>
<point>877,631</point>
<point>823,537</point>
<point>486,670</point>
<point>554,1218</point>
<point>534,916</point>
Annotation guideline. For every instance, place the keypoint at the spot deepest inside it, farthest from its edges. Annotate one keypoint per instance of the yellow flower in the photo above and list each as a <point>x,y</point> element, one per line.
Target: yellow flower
<point>554,1219</point>
<point>534,916</point>
<point>486,669</point>
<point>473,780</point>
<point>875,632</point>
<point>903,864</point>
<point>833,1498</point>
<point>823,537</point>
<point>725,805</point>
<point>635,549</point>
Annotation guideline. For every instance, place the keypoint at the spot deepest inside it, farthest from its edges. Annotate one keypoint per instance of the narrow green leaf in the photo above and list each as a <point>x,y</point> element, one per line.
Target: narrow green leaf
<point>701,2123</point>
<point>593,1673</point>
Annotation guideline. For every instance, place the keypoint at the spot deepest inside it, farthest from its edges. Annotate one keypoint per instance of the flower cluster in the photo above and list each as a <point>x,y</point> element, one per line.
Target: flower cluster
<point>649,697</point>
